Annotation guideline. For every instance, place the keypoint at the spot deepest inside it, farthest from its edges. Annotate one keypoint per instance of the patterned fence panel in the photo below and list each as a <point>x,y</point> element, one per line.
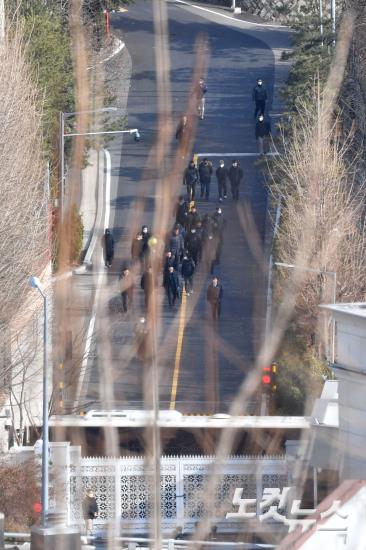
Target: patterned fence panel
<point>123,490</point>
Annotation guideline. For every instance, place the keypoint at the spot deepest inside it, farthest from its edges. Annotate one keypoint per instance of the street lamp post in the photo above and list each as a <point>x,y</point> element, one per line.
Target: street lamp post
<point>62,118</point>
<point>34,282</point>
<point>62,162</point>
<point>331,274</point>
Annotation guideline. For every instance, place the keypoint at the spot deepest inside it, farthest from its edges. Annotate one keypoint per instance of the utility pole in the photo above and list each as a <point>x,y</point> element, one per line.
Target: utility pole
<point>333,18</point>
<point>321,20</point>
<point>2,21</point>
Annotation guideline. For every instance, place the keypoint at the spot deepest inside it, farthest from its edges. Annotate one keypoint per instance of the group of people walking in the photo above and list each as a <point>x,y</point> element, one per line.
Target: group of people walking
<point>201,176</point>
<point>263,130</point>
<point>195,238</point>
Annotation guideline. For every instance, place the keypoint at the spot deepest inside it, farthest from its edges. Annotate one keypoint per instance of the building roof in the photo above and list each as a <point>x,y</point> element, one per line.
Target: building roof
<point>343,493</point>
<point>354,308</point>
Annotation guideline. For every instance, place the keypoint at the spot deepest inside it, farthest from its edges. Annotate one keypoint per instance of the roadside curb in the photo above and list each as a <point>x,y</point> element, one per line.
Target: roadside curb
<point>118,47</point>
<point>95,230</point>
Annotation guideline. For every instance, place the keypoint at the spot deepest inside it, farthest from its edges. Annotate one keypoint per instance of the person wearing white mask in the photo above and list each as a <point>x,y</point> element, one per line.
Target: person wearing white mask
<point>222,176</point>
<point>260,97</point>
<point>262,134</point>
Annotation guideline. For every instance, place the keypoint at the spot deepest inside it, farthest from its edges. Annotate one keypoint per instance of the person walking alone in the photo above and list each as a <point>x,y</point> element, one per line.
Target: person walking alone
<point>127,287</point>
<point>201,90</point>
<point>262,134</point>
<point>108,248</point>
<point>260,97</point>
<point>235,177</point>
<point>90,511</point>
<point>188,267</point>
<point>222,176</point>
<point>214,297</point>
<point>172,286</point>
<point>205,173</point>
<point>190,180</point>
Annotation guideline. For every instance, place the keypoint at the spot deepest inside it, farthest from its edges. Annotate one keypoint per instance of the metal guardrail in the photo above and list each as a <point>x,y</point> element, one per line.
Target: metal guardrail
<point>133,543</point>
<point>16,536</point>
<point>172,544</point>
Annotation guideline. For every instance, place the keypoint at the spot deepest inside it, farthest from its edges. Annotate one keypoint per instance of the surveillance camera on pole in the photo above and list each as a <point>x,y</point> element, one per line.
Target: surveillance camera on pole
<point>136,134</point>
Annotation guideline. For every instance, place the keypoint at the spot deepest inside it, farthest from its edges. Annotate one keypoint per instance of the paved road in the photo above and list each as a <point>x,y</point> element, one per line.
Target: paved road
<point>214,360</point>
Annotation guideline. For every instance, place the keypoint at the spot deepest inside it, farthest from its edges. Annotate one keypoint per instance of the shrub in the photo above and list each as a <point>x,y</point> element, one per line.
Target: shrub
<point>19,490</point>
<point>76,235</point>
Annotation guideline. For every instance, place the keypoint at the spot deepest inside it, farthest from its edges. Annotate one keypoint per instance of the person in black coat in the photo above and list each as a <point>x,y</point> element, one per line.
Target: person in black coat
<point>145,254</point>
<point>90,511</point>
<point>181,212</point>
<point>193,244</point>
<point>176,245</point>
<point>222,176</point>
<point>219,224</point>
<point>127,286</point>
<point>190,180</point>
<point>147,285</point>
<point>235,177</point>
<point>108,248</point>
<point>188,267</point>
<point>192,219</point>
<point>207,227</point>
<point>210,251</point>
<point>205,173</point>
<point>172,286</point>
<point>170,261</point>
<point>143,340</point>
<point>214,297</point>
<point>262,134</point>
<point>260,97</point>
<point>137,248</point>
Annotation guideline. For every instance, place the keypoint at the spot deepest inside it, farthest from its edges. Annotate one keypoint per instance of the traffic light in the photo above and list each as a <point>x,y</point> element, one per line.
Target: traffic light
<point>269,378</point>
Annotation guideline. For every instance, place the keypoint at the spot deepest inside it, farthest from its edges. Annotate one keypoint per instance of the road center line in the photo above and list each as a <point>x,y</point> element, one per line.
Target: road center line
<point>178,353</point>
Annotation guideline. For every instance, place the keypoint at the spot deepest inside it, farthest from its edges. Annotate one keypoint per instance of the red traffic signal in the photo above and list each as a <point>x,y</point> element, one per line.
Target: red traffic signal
<point>266,376</point>
<point>37,507</point>
<point>269,377</point>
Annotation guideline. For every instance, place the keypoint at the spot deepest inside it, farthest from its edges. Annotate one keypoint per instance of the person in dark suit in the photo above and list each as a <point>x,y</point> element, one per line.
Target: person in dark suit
<point>214,297</point>
<point>172,287</point>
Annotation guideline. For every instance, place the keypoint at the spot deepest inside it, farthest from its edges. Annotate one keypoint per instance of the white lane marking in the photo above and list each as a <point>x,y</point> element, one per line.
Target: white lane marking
<point>119,48</point>
<point>107,188</point>
<point>101,276</point>
<point>98,220</point>
<point>234,155</point>
<point>265,25</point>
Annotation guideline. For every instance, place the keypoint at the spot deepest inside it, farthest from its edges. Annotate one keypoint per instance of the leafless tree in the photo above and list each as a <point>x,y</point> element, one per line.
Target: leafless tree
<point>23,188</point>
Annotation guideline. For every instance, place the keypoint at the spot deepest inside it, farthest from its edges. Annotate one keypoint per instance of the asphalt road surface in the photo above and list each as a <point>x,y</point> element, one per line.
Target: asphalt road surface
<point>213,359</point>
